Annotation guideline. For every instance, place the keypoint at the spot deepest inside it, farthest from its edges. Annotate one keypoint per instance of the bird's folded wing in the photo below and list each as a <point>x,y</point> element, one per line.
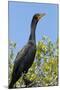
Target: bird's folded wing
<point>23,52</point>
<point>20,56</point>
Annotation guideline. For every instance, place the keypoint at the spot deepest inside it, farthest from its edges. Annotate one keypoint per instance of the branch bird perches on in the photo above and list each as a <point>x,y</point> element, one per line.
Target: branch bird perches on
<point>25,57</point>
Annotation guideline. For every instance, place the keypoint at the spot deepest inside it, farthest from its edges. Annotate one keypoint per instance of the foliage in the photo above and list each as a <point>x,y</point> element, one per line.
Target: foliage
<point>11,56</point>
<point>44,71</point>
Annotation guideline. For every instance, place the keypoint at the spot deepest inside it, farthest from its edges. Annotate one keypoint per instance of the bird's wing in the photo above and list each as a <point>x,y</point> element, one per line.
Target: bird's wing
<point>23,52</point>
<point>20,56</point>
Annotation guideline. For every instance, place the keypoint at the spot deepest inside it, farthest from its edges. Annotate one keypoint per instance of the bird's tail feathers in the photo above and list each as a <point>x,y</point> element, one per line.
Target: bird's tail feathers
<point>11,85</point>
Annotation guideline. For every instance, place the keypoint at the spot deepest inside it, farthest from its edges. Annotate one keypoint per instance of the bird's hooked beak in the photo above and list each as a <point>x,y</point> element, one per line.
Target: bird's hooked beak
<point>40,16</point>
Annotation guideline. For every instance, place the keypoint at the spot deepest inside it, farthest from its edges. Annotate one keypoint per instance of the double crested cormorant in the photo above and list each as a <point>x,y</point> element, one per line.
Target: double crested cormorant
<point>25,57</point>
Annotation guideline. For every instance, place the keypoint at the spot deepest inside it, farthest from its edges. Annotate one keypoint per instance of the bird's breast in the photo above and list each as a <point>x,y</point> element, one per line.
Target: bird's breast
<point>29,58</point>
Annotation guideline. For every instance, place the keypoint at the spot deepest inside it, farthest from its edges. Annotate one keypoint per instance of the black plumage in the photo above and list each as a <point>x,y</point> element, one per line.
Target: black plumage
<point>25,57</point>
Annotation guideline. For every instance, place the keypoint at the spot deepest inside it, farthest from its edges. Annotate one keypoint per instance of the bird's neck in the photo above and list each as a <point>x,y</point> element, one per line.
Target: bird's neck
<point>33,28</point>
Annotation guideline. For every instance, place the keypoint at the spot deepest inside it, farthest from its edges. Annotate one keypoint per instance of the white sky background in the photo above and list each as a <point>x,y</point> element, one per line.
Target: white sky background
<point>4,43</point>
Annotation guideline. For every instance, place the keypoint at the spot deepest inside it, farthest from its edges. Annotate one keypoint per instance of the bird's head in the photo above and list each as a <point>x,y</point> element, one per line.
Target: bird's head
<point>35,19</point>
<point>38,16</point>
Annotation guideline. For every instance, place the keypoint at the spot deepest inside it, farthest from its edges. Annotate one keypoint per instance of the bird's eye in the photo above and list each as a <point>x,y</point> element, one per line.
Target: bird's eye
<point>37,17</point>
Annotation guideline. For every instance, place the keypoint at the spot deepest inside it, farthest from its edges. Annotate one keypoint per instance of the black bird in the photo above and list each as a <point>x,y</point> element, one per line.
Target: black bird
<point>25,57</point>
